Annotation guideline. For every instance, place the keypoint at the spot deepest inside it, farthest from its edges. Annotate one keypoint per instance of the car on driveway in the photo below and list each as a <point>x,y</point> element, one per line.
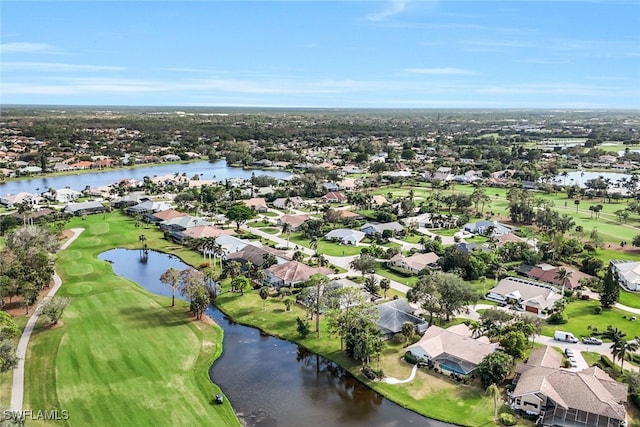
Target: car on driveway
<point>568,352</point>
<point>591,340</point>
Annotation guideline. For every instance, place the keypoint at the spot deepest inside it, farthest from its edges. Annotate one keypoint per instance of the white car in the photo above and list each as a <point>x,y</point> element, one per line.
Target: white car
<point>573,362</point>
<point>591,340</point>
<point>568,352</point>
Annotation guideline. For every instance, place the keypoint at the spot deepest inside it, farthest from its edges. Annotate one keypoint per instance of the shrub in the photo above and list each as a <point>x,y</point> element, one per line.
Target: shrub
<point>598,310</point>
<point>558,318</point>
<point>507,419</point>
<point>399,339</point>
<point>371,373</point>
<point>410,358</point>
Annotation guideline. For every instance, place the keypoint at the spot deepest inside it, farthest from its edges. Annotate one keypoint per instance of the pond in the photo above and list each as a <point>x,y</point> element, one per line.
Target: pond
<point>271,382</point>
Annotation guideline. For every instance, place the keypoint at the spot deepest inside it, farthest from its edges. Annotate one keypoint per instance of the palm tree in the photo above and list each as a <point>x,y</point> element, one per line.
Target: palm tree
<point>385,285</point>
<point>313,243</point>
<point>494,392</point>
<point>563,276</point>
<point>286,229</point>
<point>622,349</point>
<point>264,294</point>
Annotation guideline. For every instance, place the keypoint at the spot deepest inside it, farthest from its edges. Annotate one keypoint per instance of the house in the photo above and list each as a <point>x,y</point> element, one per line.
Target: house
<point>84,208</point>
<point>333,197</point>
<point>288,202</point>
<point>292,272</point>
<point>294,221</point>
<point>256,255</point>
<point>549,274</point>
<point>452,349</point>
<point>379,200</point>
<point>181,223</point>
<point>416,262</point>
<point>204,231</point>
<point>147,206</point>
<point>530,296</point>
<point>11,200</point>
<point>393,314</point>
<point>628,273</point>
<point>486,227</point>
<point>588,398</point>
<point>63,195</point>
<point>468,248</point>
<point>164,215</point>
<point>230,244</point>
<point>257,203</point>
<point>129,200</point>
<point>371,228</point>
<point>345,236</point>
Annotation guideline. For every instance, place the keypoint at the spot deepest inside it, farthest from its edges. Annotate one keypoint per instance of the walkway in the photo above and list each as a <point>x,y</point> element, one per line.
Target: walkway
<point>17,390</point>
<point>390,380</point>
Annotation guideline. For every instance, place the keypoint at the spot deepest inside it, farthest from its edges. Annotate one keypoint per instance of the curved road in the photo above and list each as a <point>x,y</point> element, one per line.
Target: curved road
<point>17,390</point>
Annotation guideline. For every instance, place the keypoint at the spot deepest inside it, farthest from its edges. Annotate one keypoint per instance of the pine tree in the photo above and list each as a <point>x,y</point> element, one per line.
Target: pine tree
<point>610,288</point>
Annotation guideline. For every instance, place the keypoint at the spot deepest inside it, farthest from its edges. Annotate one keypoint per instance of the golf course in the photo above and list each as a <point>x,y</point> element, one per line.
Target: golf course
<point>122,356</point>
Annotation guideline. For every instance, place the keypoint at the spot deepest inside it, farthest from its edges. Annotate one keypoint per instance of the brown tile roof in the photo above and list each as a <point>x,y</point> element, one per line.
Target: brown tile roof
<point>202,231</point>
<point>590,390</point>
<point>546,273</point>
<point>294,220</point>
<point>294,271</point>
<point>169,214</point>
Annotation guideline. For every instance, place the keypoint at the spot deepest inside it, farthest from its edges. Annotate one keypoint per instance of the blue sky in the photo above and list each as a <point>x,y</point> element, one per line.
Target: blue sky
<point>335,54</point>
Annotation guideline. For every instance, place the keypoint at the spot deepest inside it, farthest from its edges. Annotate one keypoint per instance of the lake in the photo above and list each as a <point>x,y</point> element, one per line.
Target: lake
<point>217,170</point>
<point>271,382</point>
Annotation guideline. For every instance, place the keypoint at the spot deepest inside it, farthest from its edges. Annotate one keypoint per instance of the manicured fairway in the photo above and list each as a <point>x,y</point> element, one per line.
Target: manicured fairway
<point>123,356</point>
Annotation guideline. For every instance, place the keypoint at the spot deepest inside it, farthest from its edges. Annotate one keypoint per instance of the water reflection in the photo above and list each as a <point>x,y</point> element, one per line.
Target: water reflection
<point>271,382</point>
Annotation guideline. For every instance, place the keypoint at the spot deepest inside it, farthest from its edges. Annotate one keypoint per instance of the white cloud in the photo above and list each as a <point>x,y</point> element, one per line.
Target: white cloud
<point>26,47</point>
<point>446,71</point>
<point>56,67</point>
<point>394,7</point>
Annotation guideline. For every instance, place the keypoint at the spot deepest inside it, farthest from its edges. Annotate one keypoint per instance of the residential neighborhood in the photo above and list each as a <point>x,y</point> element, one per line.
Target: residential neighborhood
<point>415,262</point>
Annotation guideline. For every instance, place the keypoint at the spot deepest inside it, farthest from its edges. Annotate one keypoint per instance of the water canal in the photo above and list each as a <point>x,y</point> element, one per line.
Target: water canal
<point>271,382</point>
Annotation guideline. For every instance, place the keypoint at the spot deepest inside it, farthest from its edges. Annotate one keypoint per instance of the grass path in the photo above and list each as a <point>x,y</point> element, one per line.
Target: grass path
<point>123,356</point>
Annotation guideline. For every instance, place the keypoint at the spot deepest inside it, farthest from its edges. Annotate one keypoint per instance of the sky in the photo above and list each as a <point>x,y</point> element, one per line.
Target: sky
<point>323,54</point>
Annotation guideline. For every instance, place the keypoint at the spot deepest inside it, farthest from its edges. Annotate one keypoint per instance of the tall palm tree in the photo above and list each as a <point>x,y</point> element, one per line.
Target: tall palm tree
<point>563,276</point>
<point>286,229</point>
<point>313,243</point>
<point>494,392</point>
<point>621,349</point>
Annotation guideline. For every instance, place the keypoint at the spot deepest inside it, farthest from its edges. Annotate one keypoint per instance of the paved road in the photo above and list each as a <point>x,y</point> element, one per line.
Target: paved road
<point>17,390</point>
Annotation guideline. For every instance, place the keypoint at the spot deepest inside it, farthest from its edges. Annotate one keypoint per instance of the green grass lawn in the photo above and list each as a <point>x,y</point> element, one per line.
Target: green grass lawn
<point>582,316</point>
<point>326,247</point>
<point>270,230</point>
<point>630,299</point>
<point>393,275</point>
<point>123,356</point>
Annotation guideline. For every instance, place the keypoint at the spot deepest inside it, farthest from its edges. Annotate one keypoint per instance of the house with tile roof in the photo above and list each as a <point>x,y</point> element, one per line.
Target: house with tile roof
<point>559,397</point>
<point>416,262</point>
<point>294,221</point>
<point>259,204</point>
<point>162,215</point>
<point>548,273</point>
<point>291,273</point>
<point>333,197</point>
<point>452,349</point>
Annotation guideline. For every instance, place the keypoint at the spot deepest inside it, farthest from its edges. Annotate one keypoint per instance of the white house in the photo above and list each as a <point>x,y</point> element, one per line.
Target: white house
<point>530,296</point>
<point>628,273</point>
<point>345,236</point>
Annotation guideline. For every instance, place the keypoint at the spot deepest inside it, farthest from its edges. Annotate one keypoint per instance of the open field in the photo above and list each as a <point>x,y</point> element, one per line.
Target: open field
<point>123,356</point>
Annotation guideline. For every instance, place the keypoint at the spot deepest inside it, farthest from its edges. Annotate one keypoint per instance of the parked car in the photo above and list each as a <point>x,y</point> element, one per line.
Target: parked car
<point>573,362</point>
<point>568,352</point>
<point>591,340</point>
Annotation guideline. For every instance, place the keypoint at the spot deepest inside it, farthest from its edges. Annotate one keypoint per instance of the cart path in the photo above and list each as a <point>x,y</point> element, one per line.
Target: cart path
<point>17,389</point>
